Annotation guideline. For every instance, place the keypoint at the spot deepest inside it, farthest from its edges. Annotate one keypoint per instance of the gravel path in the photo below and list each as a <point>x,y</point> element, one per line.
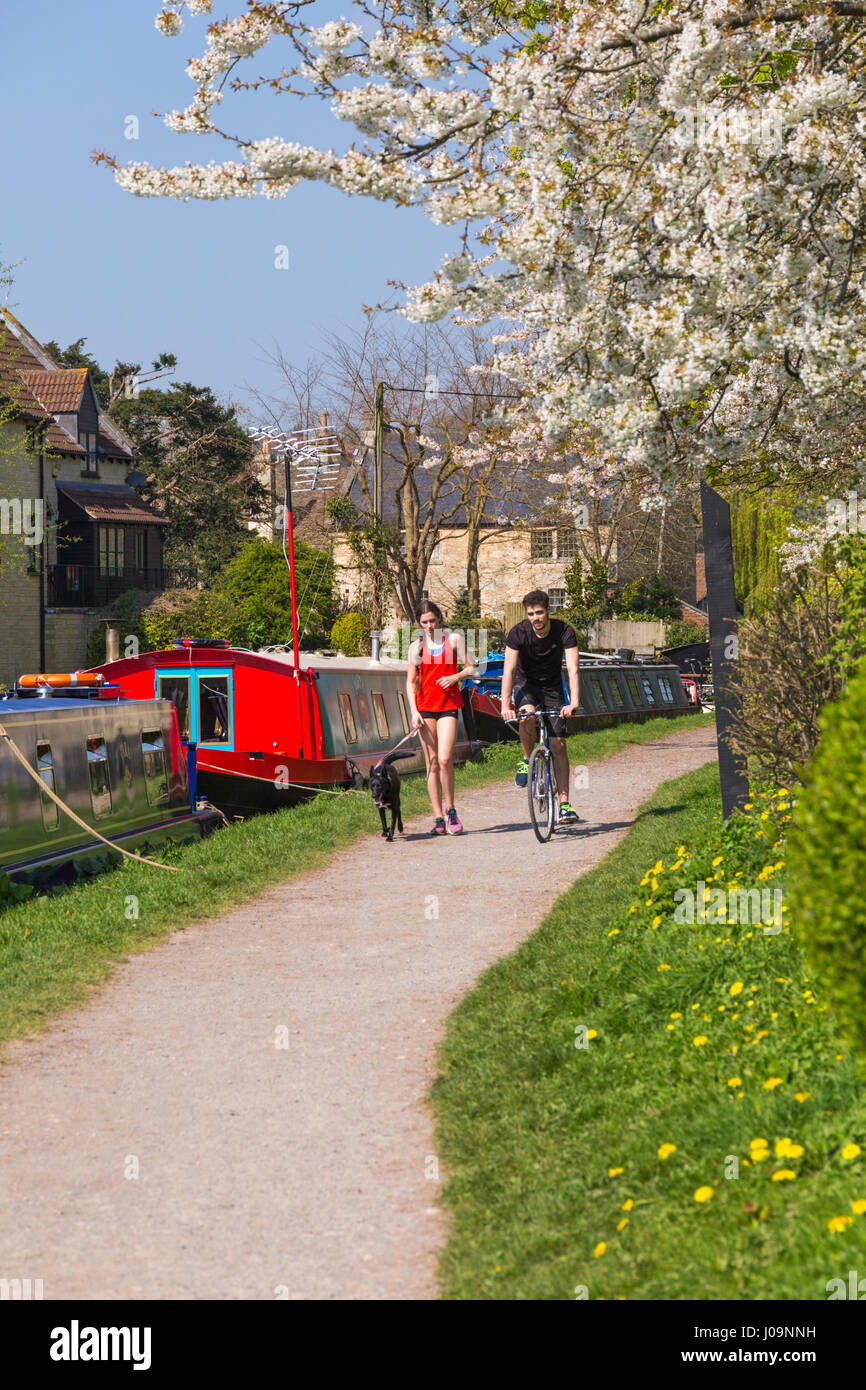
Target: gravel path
<point>162,1142</point>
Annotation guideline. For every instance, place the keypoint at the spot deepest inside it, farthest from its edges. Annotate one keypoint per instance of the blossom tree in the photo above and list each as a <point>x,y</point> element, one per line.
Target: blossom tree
<point>658,208</point>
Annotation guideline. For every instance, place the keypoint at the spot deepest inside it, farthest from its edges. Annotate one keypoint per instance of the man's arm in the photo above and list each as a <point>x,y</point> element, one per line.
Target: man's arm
<point>572,666</point>
<point>508,672</point>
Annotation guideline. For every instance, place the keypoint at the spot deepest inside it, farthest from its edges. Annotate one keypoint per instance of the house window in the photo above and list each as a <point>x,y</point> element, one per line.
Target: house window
<point>436,554</point>
<point>557,600</point>
<point>88,442</point>
<point>110,550</point>
<point>541,545</point>
<point>566,543</point>
<point>45,768</point>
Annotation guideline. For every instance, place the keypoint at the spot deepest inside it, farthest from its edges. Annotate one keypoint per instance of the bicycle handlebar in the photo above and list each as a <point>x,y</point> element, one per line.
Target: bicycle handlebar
<point>532,713</point>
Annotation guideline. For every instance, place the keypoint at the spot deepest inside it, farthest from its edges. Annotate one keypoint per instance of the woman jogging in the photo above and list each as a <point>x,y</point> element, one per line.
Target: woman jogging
<point>436,669</point>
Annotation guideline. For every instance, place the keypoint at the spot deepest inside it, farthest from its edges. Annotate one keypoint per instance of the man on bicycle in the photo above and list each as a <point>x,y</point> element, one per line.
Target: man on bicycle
<point>533,672</point>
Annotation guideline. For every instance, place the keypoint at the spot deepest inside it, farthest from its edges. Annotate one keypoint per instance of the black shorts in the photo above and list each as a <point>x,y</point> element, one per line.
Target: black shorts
<point>547,696</point>
<point>438,713</point>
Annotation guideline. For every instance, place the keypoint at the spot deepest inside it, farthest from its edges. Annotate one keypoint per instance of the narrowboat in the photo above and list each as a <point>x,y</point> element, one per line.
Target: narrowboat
<point>611,690</point>
<point>268,732</point>
<point>119,764</point>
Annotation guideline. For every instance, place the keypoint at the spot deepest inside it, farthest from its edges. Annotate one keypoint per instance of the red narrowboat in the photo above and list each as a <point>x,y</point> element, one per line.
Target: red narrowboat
<point>266,732</point>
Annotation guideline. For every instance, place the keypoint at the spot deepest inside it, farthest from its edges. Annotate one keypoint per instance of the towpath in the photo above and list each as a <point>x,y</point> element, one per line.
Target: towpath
<point>162,1142</point>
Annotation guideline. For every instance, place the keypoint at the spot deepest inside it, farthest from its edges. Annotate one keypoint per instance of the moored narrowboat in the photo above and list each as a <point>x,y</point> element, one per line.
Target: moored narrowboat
<point>118,764</point>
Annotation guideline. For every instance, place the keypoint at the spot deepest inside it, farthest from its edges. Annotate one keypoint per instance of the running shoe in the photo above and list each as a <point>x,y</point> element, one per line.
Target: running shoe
<point>438,826</point>
<point>567,814</point>
<point>454,826</point>
<point>521,777</point>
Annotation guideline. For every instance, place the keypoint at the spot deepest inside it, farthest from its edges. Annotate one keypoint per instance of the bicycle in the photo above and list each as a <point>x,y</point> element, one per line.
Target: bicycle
<point>541,782</point>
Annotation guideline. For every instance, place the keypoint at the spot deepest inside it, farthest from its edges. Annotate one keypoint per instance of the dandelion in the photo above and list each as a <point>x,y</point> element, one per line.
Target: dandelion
<point>670,1027</point>
<point>665,1150</point>
<point>839,1223</point>
<point>676,1015</point>
<point>736,987</point>
<point>758,1155</point>
<point>696,1006</point>
<point>703,1194</point>
<point>735,1081</point>
<point>614,1172</point>
<point>802,1096</point>
<point>782,1147</point>
<point>783,1175</point>
<point>621,1225</point>
<point>592,1032</point>
<point>656,922</point>
<point>772,1082</point>
<point>599,1250</point>
<point>850,1151</point>
<point>615,932</point>
<point>757,1143</point>
<point>627,1204</point>
<point>633,908</point>
<point>859,1206</point>
<point>664,967</point>
<point>718,859</point>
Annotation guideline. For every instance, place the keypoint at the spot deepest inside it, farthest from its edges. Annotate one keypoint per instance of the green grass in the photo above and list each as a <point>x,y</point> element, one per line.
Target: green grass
<point>55,950</point>
<point>530,1124</point>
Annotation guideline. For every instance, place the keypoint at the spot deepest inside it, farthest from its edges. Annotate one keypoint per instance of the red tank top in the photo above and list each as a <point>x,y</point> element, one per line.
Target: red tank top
<point>441,661</point>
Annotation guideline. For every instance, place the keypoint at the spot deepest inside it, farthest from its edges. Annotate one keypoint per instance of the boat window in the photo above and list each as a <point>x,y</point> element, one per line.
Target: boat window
<point>213,709</point>
<point>616,693</point>
<point>381,714</point>
<point>667,693</point>
<point>599,691</point>
<point>100,786</point>
<point>155,775</point>
<point>176,689</point>
<point>636,696</point>
<point>45,768</point>
<point>650,697</point>
<point>404,717</point>
<point>349,727</point>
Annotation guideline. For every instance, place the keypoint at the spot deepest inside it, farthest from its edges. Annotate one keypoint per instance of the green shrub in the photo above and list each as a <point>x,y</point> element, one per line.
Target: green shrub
<point>681,631</point>
<point>348,633</point>
<point>827,860</point>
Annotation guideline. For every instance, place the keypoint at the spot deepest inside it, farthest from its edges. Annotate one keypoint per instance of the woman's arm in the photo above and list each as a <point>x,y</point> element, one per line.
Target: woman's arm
<point>468,668</point>
<point>415,719</point>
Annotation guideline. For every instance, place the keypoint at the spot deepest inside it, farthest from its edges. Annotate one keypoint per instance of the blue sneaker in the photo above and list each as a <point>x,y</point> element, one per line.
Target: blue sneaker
<point>521,776</point>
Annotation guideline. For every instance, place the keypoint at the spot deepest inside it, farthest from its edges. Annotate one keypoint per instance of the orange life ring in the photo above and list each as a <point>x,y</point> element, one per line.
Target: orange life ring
<point>57,679</point>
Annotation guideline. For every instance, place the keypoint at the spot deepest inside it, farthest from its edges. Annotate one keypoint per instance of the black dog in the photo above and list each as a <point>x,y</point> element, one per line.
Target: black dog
<point>385,791</point>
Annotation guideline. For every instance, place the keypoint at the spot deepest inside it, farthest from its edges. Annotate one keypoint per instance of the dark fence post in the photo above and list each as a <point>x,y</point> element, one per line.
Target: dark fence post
<point>724,643</point>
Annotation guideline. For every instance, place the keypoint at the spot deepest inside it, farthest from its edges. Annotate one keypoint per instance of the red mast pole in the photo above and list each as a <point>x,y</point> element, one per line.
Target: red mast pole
<point>289,543</point>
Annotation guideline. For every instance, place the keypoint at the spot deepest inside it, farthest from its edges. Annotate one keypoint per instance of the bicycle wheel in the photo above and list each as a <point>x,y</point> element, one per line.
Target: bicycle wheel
<point>541,786</point>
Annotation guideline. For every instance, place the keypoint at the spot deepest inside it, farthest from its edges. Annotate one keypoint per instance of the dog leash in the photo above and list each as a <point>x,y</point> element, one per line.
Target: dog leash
<point>326,791</point>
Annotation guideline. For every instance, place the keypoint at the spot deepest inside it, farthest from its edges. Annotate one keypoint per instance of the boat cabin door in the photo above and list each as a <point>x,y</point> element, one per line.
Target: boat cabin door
<point>204,703</point>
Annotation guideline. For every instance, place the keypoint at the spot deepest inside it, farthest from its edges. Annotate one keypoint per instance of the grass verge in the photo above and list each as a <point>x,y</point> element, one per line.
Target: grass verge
<point>632,1106</point>
<point>55,949</point>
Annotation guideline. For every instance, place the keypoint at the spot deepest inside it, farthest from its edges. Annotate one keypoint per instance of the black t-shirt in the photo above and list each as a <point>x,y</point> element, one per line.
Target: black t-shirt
<point>539,659</point>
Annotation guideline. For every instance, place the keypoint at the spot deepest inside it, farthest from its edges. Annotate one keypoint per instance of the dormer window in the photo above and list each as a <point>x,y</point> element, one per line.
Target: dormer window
<point>89,464</point>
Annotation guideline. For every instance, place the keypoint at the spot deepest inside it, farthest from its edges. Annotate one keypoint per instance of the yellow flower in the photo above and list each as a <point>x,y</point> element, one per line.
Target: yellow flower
<point>851,1151</point>
<point>781,1147</point>
<point>758,1155</point>
<point>703,1194</point>
<point>680,849</point>
<point>627,1204</point>
<point>696,1006</point>
<point>656,922</point>
<point>614,1172</point>
<point>803,1095</point>
<point>676,1015</point>
<point>599,1250</point>
<point>735,1081</point>
<point>615,932</point>
<point>783,1175</point>
<point>859,1206</point>
<point>839,1223</point>
<point>664,967</point>
<point>658,867</point>
<point>795,1151</point>
<point>670,1027</point>
<point>718,859</point>
<point>620,1225</point>
<point>632,908</point>
<point>772,1082</point>
<point>757,1143</point>
<point>665,1150</point>
<point>736,987</point>
<point>592,1032</point>
<point>699,1040</point>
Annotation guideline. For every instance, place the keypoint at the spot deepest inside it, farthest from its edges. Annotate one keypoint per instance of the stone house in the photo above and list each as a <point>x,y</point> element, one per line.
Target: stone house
<point>74,534</point>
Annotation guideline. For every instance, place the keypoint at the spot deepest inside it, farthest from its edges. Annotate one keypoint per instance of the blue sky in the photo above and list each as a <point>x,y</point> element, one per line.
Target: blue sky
<point>139,276</point>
